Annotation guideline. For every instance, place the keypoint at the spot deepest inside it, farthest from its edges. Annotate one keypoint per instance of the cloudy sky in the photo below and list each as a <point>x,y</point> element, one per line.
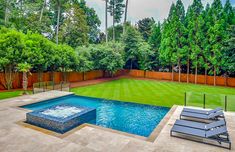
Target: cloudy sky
<point>139,9</point>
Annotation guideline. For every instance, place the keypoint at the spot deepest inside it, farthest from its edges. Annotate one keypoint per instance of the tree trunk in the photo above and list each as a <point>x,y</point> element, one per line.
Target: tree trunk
<point>125,17</point>
<point>58,22</point>
<point>106,20</point>
<point>9,77</point>
<point>179,65</point>
<point>113,30</point>
<point>42,10</point>
<point>172,73</point>
<point>114,21</point>
<point>214,76</point>
<point>188,70</point>
<point>25,82</point>
<point>6,12</point>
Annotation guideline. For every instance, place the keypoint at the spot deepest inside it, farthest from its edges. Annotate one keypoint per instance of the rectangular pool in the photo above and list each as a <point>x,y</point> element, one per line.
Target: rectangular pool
<point>132,118</point>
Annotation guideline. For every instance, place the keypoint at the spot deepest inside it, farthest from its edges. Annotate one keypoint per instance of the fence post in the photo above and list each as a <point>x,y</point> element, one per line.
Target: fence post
<point>185,99</point>
<point>61,85</point>
<point>225,103</point>
<point>43,86</point>
<point>204,101</point>
<point>33,88</point>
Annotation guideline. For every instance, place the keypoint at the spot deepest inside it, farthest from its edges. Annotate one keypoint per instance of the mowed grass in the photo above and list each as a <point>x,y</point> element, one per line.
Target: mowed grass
<point>12,94</point>
<point>160,93</point>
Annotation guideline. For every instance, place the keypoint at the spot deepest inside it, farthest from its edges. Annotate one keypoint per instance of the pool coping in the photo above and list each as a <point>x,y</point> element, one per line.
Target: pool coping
<point>151,138</point>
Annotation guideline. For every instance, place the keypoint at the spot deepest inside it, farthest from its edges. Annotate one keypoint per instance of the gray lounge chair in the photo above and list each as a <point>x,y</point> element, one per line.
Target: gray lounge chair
<point>212,116</point>
<point>206,112</point>
<point>198,125</point>
<point>219,135</point>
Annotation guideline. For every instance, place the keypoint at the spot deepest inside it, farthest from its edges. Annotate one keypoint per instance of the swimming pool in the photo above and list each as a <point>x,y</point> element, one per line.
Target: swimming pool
<point>132,118</point>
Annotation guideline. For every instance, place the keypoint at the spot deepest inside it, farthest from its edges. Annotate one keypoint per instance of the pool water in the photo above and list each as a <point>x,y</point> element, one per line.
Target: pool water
<point>132,118</point>
<point>62,111</point>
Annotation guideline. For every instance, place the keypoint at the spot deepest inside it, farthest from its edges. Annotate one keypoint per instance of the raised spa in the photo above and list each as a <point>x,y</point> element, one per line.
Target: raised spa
<point>61,118</point>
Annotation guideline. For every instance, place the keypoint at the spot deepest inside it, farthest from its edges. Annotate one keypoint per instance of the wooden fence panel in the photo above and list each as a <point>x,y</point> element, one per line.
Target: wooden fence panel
<point>58,77</point>
<point>200,79</point>
<point>136,73</point>
<point>94,75</point>
<point>47,76</point>
<point>75,77</point>
<point>221,81</point>
<point>231,82</point>
<point>154,75</point>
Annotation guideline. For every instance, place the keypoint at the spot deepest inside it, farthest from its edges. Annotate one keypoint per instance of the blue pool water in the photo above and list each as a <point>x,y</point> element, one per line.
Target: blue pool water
<point>132,118</point>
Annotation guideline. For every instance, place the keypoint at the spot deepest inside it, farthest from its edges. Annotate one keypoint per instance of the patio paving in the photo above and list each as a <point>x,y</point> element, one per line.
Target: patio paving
<point>17,138</point>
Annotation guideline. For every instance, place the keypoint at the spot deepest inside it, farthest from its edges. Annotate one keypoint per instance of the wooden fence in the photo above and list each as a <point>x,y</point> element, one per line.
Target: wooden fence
<point>76,77</point>
<point>48,76</point>
<point>201,79</point>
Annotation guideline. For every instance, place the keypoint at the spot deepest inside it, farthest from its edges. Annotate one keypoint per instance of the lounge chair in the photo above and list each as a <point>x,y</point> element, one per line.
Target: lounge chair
<point>219,135</point>
<point>206,112</point>
<point>212,116</point>
<point>198,125</point>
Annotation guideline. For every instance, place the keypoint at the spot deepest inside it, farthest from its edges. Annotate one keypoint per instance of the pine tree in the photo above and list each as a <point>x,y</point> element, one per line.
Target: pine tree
<point>217,35</point>
<point>179,36</point>
<point>116,10</point>
<point>195,23</point>
<point>144,26</point>
<point>229,12</point>
<point>75,34</point>
<point>206,14</point>
<point>155,42</point>
<point>166,48</point>
<point>131,40</point>
<point>229,53</point>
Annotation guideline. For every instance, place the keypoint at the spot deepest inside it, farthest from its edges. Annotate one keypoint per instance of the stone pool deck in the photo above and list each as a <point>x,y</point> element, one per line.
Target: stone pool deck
<point>17,138</point>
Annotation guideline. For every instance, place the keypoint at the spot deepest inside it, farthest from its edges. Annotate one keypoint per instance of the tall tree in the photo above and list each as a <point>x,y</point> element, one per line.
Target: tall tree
<point>125,16</point>
<point>75,34</point>
<point>179,36</point>
<point>92,20</point>
<point>229,13</point>
<point>206,15</point>
<point>58,7</point>
<point>106,21</point>
<point>131,40</point>
<point>166,48</point>
<point>155,42</point>
<point>145,26</point>
<point>116,10</point>
<point>217,35</point>
<point>38,19</point>
<point>229,53</point>
<point>195,24</point>
<point>145,56</point>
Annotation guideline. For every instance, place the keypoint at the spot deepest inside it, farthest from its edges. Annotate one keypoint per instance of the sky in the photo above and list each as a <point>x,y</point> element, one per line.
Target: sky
<point>139,9</point>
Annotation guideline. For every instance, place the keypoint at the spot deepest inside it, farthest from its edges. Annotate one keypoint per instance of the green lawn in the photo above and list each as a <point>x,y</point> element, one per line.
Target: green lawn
<point>160,93</point>
<point>10,94</point>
